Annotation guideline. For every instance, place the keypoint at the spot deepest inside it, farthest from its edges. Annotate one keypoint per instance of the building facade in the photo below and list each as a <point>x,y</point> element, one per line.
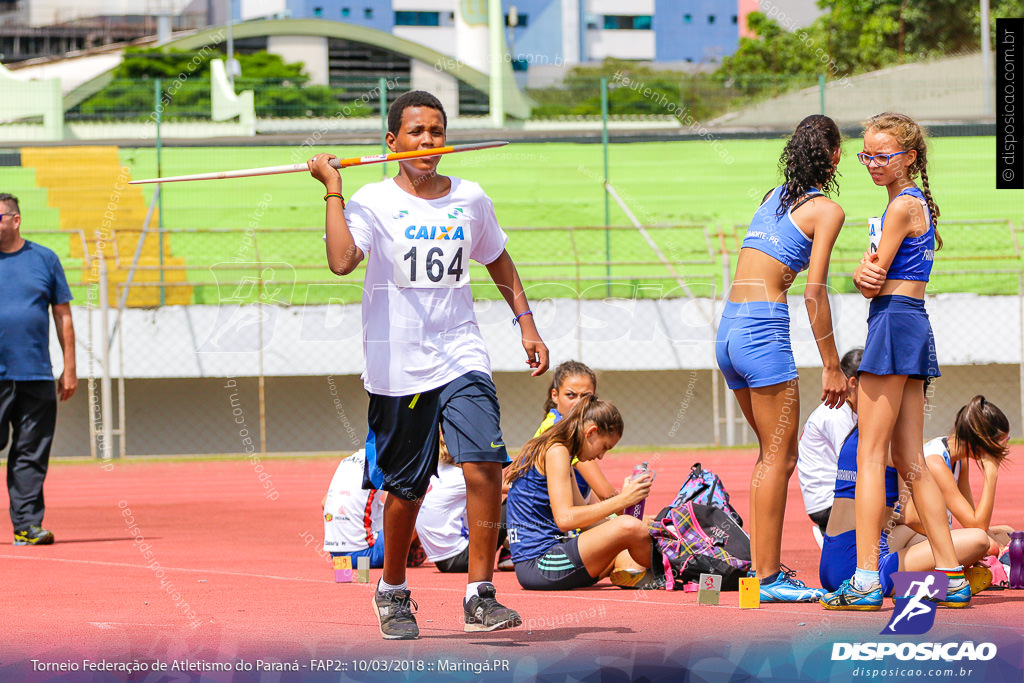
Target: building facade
<point>555,32</point>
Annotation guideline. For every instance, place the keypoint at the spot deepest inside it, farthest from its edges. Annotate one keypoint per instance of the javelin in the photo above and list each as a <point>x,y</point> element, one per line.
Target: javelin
<point>336,163</point>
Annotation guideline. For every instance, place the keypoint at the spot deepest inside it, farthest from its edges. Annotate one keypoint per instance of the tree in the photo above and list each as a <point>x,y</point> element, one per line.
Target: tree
<point>281,89</point>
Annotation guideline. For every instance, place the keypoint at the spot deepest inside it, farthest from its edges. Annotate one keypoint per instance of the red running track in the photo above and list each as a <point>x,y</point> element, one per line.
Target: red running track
<point>239,575</point>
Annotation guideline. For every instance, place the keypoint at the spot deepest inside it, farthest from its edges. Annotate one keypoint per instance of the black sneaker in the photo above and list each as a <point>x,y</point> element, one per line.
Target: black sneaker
<point>34,535</point>
<point>484,613</point>
<point>394,615</point>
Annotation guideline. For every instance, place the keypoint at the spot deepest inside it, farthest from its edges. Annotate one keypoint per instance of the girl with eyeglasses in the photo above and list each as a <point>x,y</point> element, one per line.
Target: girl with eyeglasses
<point>795,228</point>
<point>899,355</point>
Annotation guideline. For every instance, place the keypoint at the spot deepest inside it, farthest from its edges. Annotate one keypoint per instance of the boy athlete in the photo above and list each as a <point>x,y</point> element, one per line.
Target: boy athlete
<point>426,363</point>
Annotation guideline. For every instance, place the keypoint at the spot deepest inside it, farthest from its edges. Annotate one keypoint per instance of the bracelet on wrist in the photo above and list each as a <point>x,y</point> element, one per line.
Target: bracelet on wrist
<point>335,194</point>
<point>515,321</point>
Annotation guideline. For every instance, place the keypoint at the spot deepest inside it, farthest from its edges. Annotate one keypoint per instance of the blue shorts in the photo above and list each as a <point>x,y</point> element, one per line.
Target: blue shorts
<point>375,552</point>
<point>560,568</point>
<point>900,339</point>
<point>404,436</point>
<point>839,561</point>
<point>753,347</point>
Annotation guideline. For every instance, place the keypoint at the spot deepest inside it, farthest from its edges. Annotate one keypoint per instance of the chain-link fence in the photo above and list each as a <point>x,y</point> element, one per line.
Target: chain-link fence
<point>263,355</point>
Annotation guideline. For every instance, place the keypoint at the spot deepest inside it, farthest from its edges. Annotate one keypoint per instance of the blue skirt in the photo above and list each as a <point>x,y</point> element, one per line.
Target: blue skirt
<point>900,339</point>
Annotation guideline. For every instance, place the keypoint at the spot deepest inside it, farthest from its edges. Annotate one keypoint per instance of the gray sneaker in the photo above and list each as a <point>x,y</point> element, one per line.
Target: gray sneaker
<point>395,615</point>
<point>484,613</point>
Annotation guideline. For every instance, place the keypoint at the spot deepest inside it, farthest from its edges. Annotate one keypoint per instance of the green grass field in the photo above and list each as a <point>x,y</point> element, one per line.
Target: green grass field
<point>708,187</point>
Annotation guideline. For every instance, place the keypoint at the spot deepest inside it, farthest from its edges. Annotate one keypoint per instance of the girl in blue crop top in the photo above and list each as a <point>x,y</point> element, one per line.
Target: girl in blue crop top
<point>899,354</point>
<point>795,228</point>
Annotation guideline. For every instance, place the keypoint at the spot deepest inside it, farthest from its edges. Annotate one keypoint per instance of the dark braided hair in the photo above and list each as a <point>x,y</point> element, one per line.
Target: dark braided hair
<point>806,160</point>
<point>910,136</point>
<point>570,368</point>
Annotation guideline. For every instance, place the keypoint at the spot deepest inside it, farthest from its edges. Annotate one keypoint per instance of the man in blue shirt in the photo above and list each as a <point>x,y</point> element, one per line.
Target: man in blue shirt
<point>31,281</point>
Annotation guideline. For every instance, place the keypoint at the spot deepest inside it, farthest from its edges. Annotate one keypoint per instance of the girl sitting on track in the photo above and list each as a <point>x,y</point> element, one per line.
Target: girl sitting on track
<point>899,355</point>
<point>354,516</point>
<point>544,505</point>
<point>980,433</point>
<point>795,227</point>
<point>570,382</point>
<point>820,442</point>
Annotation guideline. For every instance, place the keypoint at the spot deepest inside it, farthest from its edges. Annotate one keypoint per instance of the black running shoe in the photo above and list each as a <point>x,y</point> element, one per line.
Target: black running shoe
<point>395,615</point>
<point>34,535</point>
<point>484,613</point>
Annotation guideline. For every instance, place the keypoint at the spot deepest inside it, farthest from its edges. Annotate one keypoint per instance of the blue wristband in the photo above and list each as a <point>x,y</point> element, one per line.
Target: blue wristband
<point>515,321</point>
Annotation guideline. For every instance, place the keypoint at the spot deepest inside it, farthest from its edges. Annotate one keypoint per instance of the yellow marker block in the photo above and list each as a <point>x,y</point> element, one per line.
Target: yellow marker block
<point>750,593</point>
<point>343,569</point>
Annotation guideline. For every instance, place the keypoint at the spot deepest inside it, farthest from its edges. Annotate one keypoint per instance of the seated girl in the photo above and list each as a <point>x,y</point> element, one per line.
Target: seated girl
<point>545,505</point>
<point>980,434</point>
<point>571,380</point>
<point>981,431</point>
<point>354,516</point>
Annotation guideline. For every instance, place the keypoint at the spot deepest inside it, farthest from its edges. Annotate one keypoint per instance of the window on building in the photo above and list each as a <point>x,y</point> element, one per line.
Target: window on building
<point>368,13</point>
<point>640,22</point>
<point>687,18</point>
<point>522,19</point>
<point>711,18</point>
<point>345,11</point>
<point>735,19</point>
<point>417,18</point>
<point>318,11</point>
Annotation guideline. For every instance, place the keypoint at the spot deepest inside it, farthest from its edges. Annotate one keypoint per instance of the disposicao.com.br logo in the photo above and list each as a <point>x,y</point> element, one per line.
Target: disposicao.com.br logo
<point>915,595</point>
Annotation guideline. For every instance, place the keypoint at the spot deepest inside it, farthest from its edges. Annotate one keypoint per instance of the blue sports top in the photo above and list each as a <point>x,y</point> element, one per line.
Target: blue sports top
<point>846,476</point>
<point>550,420</point>
<point>916,255</point>
<point>780,238</point>
<point>531,524</point>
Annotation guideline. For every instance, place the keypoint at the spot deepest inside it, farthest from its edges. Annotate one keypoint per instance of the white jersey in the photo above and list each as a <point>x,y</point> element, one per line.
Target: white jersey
<point>822,438</point>
<point>419,327</point>
<point>939,448</point>
<point>441,524</point>
<point>353,516</point>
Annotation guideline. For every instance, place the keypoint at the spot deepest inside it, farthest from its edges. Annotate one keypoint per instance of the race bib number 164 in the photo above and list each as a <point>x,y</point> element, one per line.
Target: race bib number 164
<point>432,256</point>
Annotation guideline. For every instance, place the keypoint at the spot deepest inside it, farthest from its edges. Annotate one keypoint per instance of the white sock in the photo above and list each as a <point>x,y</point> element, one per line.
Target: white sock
<point>863,579</point>
<point>471,589</point>
<point>383,587</point>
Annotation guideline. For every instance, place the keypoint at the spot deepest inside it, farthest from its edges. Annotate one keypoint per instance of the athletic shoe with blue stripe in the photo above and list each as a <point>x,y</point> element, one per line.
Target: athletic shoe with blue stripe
<point>787,588</point>
<point>957,597</point>
<point>849,597</point>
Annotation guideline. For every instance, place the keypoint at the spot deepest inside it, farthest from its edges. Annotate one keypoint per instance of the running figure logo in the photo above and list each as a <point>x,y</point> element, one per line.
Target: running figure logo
<point>915,596</point>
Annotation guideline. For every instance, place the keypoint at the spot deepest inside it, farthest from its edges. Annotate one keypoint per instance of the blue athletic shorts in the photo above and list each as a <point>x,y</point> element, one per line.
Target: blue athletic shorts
<point>560,568</point>
<point>900,339</point>
<point>402,444</point>
<point>839,561</point>
<point>753,347</point>
<point>375,552</point>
